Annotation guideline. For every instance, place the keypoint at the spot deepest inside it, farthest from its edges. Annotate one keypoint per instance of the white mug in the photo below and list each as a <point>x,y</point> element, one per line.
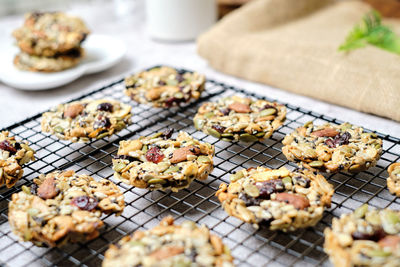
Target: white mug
<point>179,20</point>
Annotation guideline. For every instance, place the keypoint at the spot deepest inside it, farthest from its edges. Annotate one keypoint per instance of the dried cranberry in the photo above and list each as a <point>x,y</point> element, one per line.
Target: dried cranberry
<point>167,133</point>
<point>375,236</point>
<point>162,83</point>
<point>340,139</point>
<point>250,201</point>
<point>171,101</point>
<point>102,122</point>
<point>6,145</point>
<point>154,155</point>
<point>268,106</point>
<point>330,143</point>
<point>218,128</point>
<point>85,202</point>
<point>224,111</point>
<point>105,107</point>
<point>343,139</point>
<point>268,187</point>
<point>180,78</point>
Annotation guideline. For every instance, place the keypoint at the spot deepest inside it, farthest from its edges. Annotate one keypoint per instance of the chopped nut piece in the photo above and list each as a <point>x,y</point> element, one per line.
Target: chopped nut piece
<point>239,107</point>
<point>73,110</point>
<point>181,154</point>
<point>47,189</point>
<point>299,202</point>
<point>166,252</point>
<point>327,132</point>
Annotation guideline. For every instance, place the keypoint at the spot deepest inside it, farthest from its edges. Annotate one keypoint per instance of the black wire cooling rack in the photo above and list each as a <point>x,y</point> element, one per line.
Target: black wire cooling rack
<point>198,203</point>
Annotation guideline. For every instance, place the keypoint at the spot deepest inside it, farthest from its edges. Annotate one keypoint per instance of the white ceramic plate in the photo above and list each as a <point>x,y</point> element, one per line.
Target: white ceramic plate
<point>101,52</point>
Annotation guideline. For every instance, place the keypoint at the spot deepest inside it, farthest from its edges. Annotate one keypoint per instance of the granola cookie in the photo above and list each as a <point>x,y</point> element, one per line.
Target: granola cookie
<point>50,34</point>
<point>332,148</point>
<point>86,119</point>
<point>280,199</point>
<point>162,162</point>
<point>239,118</point>
<point>24,61</point>
<point>170,245</point>
<point>13,155</point>
<point>164,87</point>
<point>393,182</point>
<point>364,238</point>
<point>63,207</point>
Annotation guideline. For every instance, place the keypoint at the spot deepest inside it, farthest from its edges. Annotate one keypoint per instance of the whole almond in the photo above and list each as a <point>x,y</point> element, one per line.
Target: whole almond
<point>73,110</point>
<point>166,252</point>
<point>239,107</point>
<point>299,202</point>
<point>47,189</point>
<point>392,241</point>
<point>327,132</point>
<point>181,154</point>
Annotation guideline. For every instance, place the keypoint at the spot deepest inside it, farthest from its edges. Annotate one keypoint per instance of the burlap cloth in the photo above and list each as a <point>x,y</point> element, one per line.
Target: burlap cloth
<point>293,45</point>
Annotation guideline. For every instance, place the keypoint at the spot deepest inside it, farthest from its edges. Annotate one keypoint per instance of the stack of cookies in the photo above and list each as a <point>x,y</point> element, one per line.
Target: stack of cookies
<point>50,42</point>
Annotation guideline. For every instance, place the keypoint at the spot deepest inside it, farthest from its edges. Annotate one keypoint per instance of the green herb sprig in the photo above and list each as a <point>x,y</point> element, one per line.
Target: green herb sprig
<point>371,31</point>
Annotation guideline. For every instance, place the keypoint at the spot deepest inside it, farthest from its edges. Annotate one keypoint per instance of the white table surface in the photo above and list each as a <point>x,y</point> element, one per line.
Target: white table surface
<point>144,52</point>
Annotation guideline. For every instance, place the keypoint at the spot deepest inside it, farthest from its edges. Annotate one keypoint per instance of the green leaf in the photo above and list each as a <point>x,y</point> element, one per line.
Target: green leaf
<point>371,31</point>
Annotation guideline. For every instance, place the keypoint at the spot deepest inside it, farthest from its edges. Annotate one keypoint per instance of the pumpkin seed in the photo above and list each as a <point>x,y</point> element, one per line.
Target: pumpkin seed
<point>102,135</point>
<point>120,125</point>
<point>390,220</point>
<point>251,190</point>
<point>361,211</point>
<point>172,82</point>
<point>178,95</point>
<point>59,129</point>
<point>144,149</point>
<point>373,218</point>
<point>214,133</point>
<point>354,168</point>
<point>345,126</point>
<point>345,149</point>
<point>396,171</point>
<point>316,164</point>
<point>248,138</point>
<point>26,189</point>
<point>156,135</point>
<point>267,112</point>
<point>209,115</point>
<point>203,159</point>
<point>33,211</point>
<point>287,180</point>
<point>119,166</point>
<point>227,135</point>
<point>172,169</point>
<point>198,124</point>
<point>26,147</point>
<point>148,176</point>
<point>156,181</point>
<point>162,166</point>
<point>378,253</point>
<point>238,175</point>
<point>226,139</point>
<point>260,135</point>
<point>308,123</point>
<point>135,243</point>
<point>27,235</point>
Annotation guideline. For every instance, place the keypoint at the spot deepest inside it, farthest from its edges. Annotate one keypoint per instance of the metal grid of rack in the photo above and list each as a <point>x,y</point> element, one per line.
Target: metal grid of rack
<point>144,209</point>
